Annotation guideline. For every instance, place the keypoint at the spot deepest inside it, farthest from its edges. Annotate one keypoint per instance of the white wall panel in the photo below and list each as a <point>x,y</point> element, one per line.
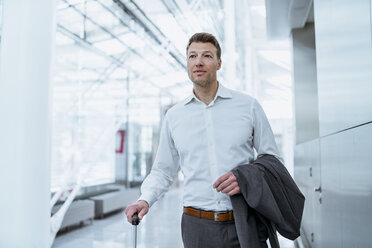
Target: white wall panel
<point>347,188</point>
<point>344,61</point>
<point>307,176</point>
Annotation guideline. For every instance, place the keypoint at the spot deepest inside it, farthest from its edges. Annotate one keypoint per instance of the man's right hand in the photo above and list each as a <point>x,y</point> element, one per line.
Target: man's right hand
<point>141,207</point>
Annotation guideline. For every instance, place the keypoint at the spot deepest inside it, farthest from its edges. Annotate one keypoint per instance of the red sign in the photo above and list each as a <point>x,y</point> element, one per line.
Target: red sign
<point>120,149</point>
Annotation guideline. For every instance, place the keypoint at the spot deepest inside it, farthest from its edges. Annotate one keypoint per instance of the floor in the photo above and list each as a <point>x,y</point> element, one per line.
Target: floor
<point>159,229</point>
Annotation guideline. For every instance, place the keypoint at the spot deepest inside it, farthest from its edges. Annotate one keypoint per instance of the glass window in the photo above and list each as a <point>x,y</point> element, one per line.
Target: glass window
<point>103,79</point>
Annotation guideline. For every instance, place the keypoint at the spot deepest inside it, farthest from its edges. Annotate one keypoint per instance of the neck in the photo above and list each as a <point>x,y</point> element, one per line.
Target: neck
<point>207,93</point>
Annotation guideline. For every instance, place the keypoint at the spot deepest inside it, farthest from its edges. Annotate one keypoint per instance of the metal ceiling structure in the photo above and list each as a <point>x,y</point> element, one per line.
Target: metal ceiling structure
<point>108,41</point>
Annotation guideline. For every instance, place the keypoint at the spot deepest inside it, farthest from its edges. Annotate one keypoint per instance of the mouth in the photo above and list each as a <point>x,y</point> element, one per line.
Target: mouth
<point>199,72</point>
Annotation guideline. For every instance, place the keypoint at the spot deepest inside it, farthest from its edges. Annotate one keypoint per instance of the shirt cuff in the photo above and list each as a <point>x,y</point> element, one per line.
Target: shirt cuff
<point>149,198</point>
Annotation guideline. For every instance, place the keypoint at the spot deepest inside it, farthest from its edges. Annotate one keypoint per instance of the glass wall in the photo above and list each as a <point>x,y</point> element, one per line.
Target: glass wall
<point>109,71</point>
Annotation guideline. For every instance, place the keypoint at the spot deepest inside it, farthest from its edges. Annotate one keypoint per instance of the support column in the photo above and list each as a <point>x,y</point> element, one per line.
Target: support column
<point>229,58</point>
<point>25,84</point>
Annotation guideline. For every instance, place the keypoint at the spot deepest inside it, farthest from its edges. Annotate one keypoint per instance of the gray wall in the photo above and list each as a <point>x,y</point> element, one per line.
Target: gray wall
<point>343,40</point>
<point>305,87</point>
<point>339,157</point>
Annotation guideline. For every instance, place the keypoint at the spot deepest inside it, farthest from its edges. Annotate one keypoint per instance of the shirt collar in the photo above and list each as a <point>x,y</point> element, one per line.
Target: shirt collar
<point>222,92</point>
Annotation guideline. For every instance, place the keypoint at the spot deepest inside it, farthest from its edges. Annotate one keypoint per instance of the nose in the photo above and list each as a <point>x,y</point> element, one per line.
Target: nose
<point>199,61</point>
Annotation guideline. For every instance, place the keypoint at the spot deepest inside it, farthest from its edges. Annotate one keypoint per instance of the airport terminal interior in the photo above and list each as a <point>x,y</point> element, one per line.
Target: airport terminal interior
<point>85,86</point>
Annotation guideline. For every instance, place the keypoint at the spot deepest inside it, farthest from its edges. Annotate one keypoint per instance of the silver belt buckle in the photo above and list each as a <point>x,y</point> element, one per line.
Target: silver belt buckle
<point>215,216</point>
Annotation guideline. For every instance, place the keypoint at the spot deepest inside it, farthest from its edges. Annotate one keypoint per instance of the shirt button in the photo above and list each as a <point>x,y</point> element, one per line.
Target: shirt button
<point>218,202</point>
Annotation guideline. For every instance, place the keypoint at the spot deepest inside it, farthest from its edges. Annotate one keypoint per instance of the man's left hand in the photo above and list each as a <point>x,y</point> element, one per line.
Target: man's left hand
<point>227,184</point>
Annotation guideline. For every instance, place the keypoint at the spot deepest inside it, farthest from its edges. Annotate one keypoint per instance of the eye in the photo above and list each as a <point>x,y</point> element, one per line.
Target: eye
<point>208,56</point>
<point>192,56</point>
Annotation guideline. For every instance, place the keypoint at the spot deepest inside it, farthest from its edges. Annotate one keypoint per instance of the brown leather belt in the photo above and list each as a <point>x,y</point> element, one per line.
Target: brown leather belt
<point>210,215</point>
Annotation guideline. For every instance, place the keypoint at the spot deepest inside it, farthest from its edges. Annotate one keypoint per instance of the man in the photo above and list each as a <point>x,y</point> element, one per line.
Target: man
<point>207,135</point>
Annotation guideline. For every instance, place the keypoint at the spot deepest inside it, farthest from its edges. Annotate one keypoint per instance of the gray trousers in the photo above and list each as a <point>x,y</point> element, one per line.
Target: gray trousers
<point>203,233</point>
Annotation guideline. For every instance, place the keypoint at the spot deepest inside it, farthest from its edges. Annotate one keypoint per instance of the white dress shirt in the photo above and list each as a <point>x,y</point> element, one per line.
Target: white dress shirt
<point>207,142</point>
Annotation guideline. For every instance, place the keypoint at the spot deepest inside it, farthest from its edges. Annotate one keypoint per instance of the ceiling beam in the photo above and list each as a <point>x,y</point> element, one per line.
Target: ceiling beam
<point>284,15</point>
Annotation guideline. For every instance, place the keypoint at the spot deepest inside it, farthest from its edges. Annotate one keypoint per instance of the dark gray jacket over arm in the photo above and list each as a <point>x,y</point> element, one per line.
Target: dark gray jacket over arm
<point>269,200</point>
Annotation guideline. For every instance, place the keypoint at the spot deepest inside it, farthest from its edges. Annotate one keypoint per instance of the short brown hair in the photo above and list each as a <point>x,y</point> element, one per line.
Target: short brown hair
<point>205,38</point>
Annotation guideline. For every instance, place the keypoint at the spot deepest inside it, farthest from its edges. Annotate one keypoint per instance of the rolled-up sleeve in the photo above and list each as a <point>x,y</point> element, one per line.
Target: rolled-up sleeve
<point>164,169</point>
<point>263,137</point>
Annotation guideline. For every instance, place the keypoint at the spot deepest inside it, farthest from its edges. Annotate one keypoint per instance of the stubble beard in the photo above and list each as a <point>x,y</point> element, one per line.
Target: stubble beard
<point>201,83</point>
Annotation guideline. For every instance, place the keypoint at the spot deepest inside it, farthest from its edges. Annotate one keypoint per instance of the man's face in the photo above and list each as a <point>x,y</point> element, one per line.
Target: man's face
<point>202,63</point>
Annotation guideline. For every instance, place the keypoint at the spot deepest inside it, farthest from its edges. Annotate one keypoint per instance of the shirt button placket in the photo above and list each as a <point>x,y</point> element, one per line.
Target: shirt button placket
<point>211,147</point>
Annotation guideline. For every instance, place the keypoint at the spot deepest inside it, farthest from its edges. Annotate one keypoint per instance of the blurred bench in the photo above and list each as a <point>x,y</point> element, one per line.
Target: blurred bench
<point>78,212</point>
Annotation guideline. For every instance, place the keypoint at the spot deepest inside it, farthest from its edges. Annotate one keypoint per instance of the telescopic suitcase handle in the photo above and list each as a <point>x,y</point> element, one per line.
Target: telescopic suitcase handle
<point>135,222</point>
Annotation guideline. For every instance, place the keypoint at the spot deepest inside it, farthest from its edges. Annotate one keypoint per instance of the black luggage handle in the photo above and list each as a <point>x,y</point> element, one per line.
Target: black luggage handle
<point>135,219</point>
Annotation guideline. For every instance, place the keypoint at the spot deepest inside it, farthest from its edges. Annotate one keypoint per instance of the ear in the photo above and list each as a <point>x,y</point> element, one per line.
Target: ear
<point>219,63</point>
